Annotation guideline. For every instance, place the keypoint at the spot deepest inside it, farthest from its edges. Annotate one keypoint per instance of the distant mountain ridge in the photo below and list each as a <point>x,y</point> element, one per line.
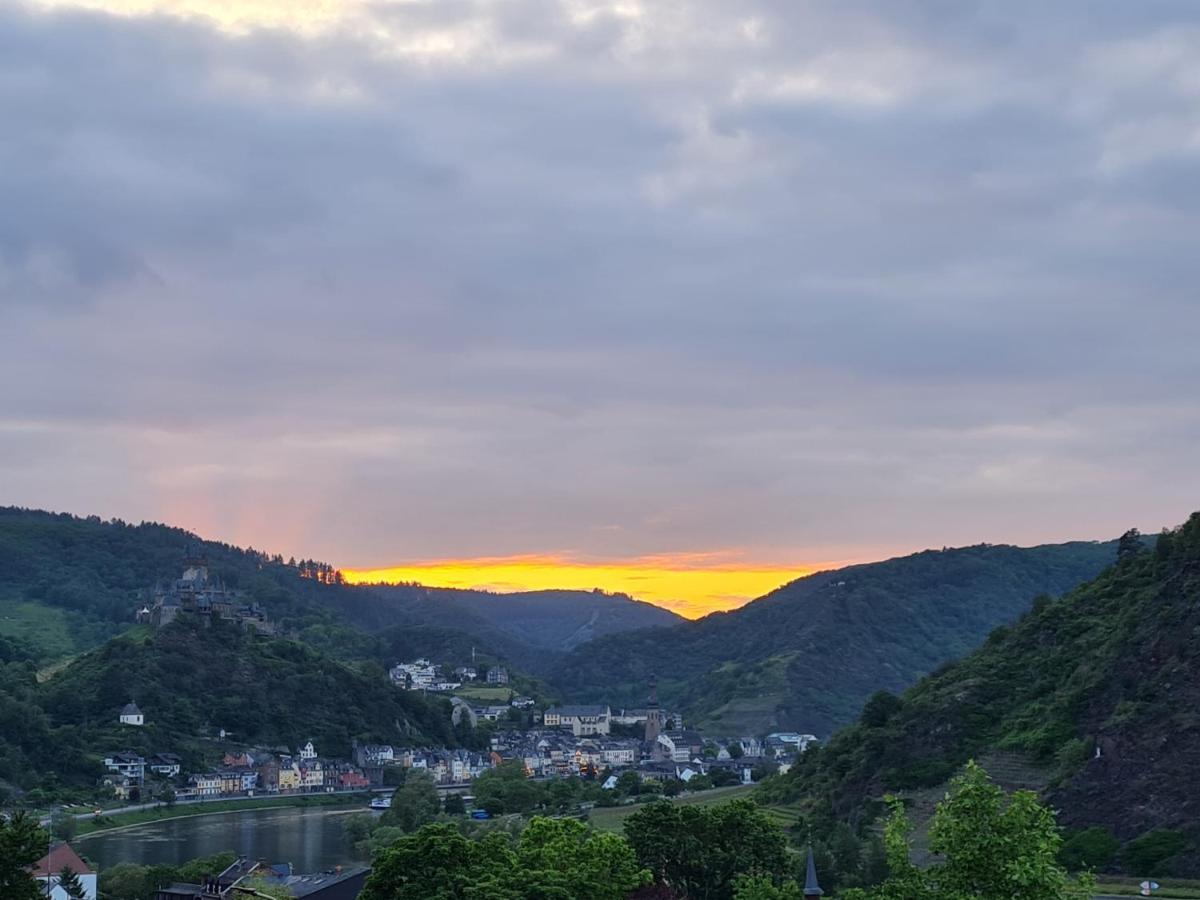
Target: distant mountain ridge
<point>1098,690</point>
<point>808,655</point>
<point>552,619</point>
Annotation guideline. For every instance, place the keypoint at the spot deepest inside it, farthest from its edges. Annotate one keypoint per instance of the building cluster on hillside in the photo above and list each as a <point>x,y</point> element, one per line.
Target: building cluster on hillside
<point>199,595</point>
<point>422,675</point>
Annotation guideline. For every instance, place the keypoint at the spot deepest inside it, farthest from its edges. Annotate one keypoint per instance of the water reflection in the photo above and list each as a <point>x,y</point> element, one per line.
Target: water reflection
<point>310,839</point>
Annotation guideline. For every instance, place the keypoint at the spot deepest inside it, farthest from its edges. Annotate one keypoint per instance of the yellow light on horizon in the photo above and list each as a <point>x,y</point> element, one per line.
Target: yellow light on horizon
<point>691,585</point>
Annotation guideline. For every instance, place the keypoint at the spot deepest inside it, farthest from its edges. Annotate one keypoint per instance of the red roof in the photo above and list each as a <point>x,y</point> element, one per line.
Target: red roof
<point>60,856</point>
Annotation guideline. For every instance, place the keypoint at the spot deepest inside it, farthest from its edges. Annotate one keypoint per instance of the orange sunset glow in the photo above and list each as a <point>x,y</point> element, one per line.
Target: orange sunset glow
<point>691,585</point>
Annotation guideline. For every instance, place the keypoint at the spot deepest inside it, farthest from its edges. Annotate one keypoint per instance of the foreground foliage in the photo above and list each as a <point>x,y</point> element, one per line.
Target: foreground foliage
<point>553,859</point>
<point>991,848</point>
<point>22,843</point>
<point>130,881</point>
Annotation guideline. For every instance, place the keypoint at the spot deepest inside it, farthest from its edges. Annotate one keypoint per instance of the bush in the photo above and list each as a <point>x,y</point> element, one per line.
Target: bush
<point>1092,848</point>
<point>1150,854</point>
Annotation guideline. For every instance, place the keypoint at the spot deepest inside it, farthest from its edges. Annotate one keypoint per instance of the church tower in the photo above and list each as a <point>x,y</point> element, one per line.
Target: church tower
<point>654,719</point>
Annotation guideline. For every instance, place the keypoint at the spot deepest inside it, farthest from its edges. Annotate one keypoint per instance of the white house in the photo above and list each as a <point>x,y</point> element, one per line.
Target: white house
<point>47,870</point>
<point>128,764</point>
<point>582,720</point>
<point>308,751</point>
<point>131,715</point>
<point>415,676</point>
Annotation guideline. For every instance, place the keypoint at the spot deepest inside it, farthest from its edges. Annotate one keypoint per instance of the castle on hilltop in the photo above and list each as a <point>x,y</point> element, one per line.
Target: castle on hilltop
<point>199,595</point>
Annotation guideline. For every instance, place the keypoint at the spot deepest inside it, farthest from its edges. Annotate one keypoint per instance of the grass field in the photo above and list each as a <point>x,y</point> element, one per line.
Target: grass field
<point>611,818</point>
<point>160,813</point>
<point>483,692</point>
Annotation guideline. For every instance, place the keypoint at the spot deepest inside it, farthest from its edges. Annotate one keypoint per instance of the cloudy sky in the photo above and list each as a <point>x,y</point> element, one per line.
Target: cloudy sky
<point>591,293</point>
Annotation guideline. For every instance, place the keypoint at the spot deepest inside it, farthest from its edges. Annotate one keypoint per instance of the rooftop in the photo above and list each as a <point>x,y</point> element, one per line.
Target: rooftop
<point>59,856</point>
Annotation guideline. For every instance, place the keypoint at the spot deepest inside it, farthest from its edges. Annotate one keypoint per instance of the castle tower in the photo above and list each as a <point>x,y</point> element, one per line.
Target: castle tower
<point>654,719</point>
<point>195,564</point>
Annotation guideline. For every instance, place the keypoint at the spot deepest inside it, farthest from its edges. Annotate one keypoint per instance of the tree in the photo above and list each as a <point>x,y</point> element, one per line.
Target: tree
<point>700,851</point>
<point>454,805</point>
<point>507,789</point>
<point>759,887</point>
<point>71,885</point>
<point>881,707</point>
<point>22,843</point>
<point>735,750</point>
<point>415,803</point>
<point>992,847</point>
<point>564,858</point>
<point>63,826</point>
<point>1130,545</point>
<point>553,859</point>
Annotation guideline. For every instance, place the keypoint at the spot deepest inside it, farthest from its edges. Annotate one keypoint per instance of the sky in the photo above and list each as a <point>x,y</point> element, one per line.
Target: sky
<point>679,298</point>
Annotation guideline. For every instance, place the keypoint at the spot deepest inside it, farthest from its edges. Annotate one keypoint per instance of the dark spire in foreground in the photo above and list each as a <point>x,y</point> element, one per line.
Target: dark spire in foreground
<point>811,888</point>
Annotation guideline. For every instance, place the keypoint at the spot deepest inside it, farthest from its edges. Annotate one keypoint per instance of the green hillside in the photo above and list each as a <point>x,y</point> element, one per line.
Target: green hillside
<point>67,584</point>
<point>808,655</point>
<point>1112,669</point>
<point>190,681</point>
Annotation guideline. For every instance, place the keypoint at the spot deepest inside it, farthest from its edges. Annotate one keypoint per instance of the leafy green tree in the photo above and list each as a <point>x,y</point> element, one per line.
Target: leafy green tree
<point>454,805</point>
<point>629,783</point>
<point>759,887</point>
<point>22,843</point>
<point>992,847</point>
<point>1130,545</point>
<point>700,851</point>
<point>63,826</point>
<point>881,707</point>
<point>415,803</point>
<point>507,789</point>
<point>69,881</point>
<point>563,858</point>
<point>553,859</point>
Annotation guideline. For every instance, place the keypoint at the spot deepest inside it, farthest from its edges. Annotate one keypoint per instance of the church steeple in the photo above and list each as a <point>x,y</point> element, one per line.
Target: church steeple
<point>653,714</point>
<point>811,887</point>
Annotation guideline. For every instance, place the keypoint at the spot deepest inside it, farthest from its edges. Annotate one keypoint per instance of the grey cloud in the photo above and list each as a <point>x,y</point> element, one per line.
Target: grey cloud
<point>797,277</point>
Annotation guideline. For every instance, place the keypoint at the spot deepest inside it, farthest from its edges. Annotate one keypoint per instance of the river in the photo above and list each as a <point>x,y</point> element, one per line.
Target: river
<point>310,839</point>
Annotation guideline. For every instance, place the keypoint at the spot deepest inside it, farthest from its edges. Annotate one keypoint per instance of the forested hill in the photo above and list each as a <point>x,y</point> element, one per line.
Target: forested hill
<point>1101,688</point>
<point>555,620</point>
<point>69,583</point>
<point>191,680</point>
<point>808,655</point>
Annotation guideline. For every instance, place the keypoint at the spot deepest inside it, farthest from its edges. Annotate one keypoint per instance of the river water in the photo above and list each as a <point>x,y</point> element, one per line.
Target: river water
<point>311,840</point>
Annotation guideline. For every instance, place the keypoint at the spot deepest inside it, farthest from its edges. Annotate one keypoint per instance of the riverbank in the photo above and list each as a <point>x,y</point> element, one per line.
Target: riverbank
<point>164,813</point>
